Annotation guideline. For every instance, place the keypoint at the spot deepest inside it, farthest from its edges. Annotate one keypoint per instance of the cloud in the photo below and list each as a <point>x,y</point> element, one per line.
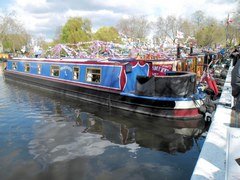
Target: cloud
<point>98,18</point>
<point>45,16</point>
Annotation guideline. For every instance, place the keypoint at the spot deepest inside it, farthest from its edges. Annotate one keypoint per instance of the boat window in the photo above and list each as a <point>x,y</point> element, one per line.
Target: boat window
<point>55,71</point>
<point>93,75</point>
<point>39,68</point>
<point>75,73</point>
<point>14,66</point>
<point>27,67</point>
<point>128,68</point>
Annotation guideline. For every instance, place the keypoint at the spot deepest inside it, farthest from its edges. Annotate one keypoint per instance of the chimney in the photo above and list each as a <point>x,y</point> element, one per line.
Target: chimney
<point>178,51</point>
<point>191,49</point>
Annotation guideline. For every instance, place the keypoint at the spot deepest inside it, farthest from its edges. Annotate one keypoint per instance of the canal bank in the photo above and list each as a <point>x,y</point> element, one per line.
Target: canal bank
<point>214,161</point>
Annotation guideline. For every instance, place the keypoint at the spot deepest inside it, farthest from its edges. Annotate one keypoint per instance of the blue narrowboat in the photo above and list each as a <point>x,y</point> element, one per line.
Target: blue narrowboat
<point>125,84</point>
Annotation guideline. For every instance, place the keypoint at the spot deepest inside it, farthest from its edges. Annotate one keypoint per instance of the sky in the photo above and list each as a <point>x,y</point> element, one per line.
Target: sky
<point>44,17</point>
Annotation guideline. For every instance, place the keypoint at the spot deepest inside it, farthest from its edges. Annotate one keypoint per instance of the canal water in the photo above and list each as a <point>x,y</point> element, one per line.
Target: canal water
<point>44,135</point>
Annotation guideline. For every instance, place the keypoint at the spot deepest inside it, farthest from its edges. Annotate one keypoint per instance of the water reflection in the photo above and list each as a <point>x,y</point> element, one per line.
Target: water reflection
<point>164,138</point>
<point>110,130</point>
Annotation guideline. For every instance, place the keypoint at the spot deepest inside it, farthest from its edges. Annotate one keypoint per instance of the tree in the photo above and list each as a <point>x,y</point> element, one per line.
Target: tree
<point>186,27</point>
<point>160,30</point>
<point>134,27</point>
<point>107,34</point>
<point>234,27</point>
<point>76,30</point>
<point>40,41</point>
<point>57,38</point>
<point>205,30</point>
<point>198,18</point>
<point>167,28</point>
<point>12,33</point>
<point>233,31</point>
<point>238,7</point>
<point>211,33</point>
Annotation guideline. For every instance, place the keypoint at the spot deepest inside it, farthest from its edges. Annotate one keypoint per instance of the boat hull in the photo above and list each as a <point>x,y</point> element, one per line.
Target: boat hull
<point>112,98</point>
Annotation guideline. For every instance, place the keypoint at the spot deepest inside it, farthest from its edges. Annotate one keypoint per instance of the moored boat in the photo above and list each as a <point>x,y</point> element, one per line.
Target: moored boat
<point>124,84</point>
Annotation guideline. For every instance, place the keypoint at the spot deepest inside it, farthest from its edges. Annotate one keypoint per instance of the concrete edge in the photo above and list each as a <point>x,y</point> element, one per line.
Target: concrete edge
<point>211,163</point>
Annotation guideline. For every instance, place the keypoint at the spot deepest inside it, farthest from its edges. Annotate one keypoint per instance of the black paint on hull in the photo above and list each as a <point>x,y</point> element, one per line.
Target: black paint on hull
<point>109,98</point>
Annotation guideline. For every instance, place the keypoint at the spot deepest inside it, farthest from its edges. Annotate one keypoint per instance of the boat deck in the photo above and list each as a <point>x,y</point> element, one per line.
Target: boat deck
<point>220,152</point>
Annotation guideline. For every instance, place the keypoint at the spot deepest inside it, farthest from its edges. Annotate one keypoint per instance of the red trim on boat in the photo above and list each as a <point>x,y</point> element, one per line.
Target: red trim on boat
<point>75,61</point>
<point>123,78</point>
<point>185,112</point>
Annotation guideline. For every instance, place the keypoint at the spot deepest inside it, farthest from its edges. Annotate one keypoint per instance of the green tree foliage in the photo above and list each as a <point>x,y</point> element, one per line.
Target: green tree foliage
<point>12,34</point>
<point>232,34</point>
<point>209,31</point>
<point>210,35</point>
<point>186,27</point>
<point>76,30</point>
<point>233,27</point>
<point>107,34</point>
<point>206,31</point>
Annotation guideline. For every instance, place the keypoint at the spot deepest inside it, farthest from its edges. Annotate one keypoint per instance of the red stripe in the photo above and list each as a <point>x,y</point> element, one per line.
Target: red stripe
<point>69,61</point>
<point>123,78</point>
<point>185,112</point>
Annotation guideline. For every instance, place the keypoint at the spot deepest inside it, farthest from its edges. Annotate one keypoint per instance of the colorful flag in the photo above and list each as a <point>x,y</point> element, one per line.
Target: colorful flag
<point>229,20</point>
<point>180,35</point>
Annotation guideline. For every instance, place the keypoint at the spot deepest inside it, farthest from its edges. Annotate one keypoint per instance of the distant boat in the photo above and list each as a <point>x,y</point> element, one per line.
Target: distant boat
<point>126,84</point>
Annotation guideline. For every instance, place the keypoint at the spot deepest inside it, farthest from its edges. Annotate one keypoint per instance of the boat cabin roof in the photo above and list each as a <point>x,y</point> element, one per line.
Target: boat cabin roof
<point>75,61</point>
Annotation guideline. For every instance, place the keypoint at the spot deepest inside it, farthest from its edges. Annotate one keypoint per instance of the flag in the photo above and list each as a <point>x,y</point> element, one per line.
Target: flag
<point>180,34</point>
<point>229,20</point>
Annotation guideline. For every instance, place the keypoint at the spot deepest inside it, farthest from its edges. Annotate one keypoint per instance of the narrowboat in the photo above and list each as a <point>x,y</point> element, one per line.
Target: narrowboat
<point>191,63</point>
<point>125,84</point>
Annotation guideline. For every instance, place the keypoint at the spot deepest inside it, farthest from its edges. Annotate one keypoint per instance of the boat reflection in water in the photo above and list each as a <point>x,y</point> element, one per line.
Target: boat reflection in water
<point>156,134</point>
<point>90,130</point>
